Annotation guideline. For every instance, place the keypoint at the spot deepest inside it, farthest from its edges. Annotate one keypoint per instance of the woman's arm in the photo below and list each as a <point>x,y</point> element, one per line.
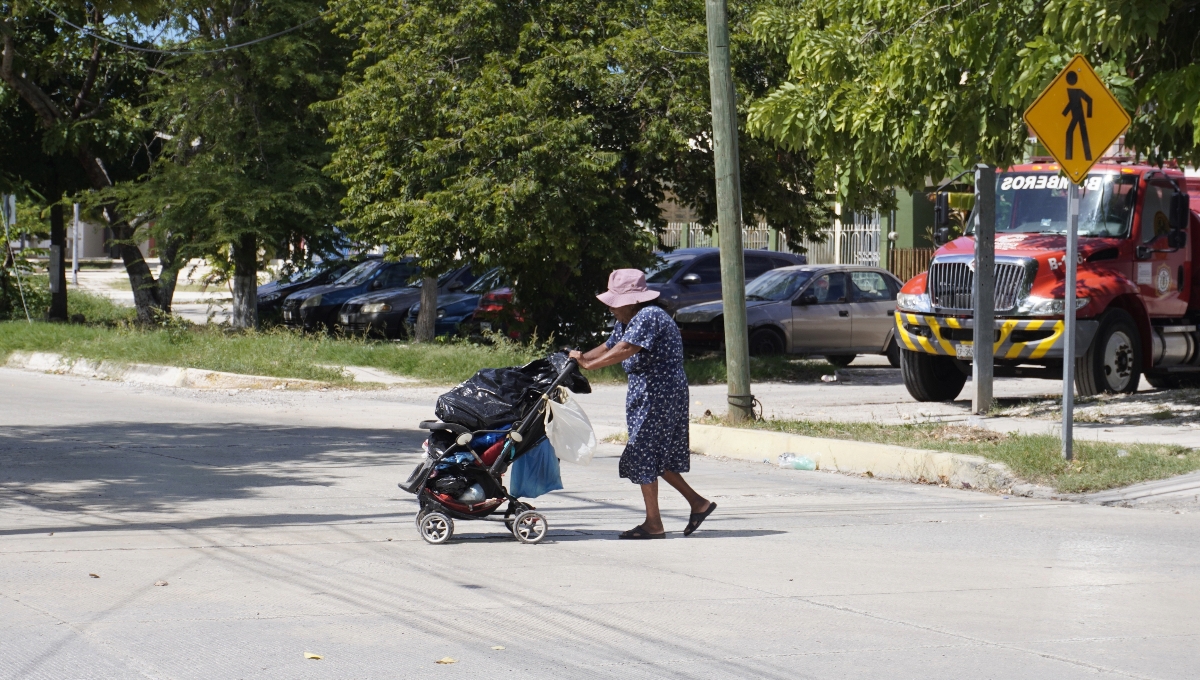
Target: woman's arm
<point>603,356</point>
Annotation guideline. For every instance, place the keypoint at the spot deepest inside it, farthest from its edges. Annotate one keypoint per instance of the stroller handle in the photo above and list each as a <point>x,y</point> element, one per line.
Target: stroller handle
<point>523,429</point>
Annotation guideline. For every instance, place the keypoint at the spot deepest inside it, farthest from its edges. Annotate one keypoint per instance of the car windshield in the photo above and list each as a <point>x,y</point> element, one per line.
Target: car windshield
<point>359,274</point>
<point>780,284</point>
<point>665,268</point>
<point>1036,203</point>
<point>489,280</point>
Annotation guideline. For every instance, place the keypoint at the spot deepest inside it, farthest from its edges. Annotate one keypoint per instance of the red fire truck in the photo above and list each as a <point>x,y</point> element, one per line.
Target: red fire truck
<point>1137,298</point>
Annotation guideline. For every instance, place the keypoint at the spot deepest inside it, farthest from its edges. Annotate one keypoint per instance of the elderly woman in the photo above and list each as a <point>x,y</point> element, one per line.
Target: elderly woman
<point>646,342</point>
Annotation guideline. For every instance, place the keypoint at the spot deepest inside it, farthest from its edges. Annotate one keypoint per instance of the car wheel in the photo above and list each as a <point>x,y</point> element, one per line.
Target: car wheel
<point>840,360</point>
<point>893,354</point>
<point>766,342</point>
<point>1113,362</point>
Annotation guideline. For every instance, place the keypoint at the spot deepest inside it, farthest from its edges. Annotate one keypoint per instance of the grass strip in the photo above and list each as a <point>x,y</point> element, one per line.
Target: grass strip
<point>1032,457</point>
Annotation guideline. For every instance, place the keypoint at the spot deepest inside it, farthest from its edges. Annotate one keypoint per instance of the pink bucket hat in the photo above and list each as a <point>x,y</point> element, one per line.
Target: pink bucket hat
<point>627,287</point>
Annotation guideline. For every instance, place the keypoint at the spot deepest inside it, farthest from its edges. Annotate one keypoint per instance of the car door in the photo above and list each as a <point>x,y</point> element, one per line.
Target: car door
<point>826,323</point>
<point>1161,275</point>
<point>708,288</point>
<point>872,304</point>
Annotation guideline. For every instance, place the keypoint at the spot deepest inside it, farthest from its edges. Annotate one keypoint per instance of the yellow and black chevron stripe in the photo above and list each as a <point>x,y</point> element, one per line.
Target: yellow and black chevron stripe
<point>1018,338</point>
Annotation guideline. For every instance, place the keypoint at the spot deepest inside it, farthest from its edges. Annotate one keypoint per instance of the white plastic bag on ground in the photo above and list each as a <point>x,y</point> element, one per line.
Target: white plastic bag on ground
<point>569,430</point>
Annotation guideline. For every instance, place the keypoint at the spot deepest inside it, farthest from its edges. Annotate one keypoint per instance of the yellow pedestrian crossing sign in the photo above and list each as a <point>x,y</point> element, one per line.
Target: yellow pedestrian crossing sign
<point>1076,118</point>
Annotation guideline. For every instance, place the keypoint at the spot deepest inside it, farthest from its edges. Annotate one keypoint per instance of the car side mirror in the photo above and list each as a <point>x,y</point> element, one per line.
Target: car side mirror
<point>806,299</point>
<point>455,285</point>
<point>1176,238</point>
<point>1180,210</point>
<point>376,284</point>
<point>690,279</point>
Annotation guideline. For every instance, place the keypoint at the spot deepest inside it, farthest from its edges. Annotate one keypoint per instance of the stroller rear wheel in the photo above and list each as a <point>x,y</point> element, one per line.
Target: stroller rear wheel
<point>530,527</point>
<point>435,528</point>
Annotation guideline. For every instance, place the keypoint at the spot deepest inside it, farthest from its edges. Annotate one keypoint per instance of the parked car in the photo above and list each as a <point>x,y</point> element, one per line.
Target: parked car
<point>497,313</point>
<point>271,295</point>
<point>384,312</point>
<point>455,309</point>
<point>317,307</point>
<point>838,311</point>
<point>690,276</point>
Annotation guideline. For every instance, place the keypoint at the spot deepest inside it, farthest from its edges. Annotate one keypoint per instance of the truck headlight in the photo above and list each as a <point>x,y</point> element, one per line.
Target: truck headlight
<point>313,301</point>
<point>376,308</point>
<point>914,302</point>
<point>1040,306</point>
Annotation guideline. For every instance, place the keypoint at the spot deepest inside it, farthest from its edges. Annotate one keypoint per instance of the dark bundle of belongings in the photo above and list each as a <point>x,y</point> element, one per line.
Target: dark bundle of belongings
<point>485,425</point>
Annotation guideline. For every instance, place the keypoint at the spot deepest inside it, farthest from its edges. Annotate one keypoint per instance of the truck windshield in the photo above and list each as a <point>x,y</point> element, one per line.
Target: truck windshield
<point>1036,203</point>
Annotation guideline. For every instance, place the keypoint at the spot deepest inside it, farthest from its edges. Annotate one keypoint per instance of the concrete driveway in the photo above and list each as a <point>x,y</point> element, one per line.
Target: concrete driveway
<point>275,521</point>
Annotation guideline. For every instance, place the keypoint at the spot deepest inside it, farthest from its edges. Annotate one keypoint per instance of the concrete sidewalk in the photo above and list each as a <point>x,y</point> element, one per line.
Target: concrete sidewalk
<point>274,520</point>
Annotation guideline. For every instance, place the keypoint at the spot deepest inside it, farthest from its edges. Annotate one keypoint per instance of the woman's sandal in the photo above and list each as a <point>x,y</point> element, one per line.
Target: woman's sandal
<point>638,533</point>
<point>698,518</point>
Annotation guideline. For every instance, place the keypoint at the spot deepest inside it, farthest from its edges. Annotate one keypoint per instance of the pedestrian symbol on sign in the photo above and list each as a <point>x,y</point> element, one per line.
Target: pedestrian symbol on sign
<point>1076,111</point>
<point>1075,99</point>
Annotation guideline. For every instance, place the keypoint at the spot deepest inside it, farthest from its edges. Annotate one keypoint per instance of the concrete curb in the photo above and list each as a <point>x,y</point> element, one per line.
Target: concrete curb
<point>876,460</point>
<point>149,374</point>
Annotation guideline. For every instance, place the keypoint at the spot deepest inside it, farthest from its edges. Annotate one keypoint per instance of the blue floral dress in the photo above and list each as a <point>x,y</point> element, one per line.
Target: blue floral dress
<point>656,408</point>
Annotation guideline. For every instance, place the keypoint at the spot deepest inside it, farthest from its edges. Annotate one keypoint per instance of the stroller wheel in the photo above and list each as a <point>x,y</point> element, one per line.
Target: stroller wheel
<point>530,527</point>
<point>436,528</point>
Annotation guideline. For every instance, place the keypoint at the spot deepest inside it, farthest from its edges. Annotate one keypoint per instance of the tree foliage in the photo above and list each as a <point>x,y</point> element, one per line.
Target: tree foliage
<point>540,136</point>
<point>890,92</point>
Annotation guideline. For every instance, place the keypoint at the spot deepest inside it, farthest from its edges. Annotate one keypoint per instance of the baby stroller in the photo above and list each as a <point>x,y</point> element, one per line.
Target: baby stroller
<point>484,425</point>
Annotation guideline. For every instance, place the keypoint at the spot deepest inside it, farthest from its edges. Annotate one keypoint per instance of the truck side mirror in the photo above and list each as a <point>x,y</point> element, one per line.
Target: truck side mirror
<point>941,236</point>
<point>1180,210</point>
<point>1176,238</point>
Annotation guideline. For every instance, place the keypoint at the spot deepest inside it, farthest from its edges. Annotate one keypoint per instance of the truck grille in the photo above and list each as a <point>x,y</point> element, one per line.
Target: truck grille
<point>950,285</point>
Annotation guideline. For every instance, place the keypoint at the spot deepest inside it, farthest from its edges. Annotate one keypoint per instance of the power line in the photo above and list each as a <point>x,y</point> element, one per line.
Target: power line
<point>134,48</point>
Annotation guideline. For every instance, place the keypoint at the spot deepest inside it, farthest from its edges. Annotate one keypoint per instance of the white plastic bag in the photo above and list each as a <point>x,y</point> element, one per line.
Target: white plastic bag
<point>569,431</point>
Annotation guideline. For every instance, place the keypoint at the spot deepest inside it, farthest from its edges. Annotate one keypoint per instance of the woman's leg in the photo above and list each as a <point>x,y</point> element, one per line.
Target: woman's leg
<point>653,523</point>
<point>699,503</point>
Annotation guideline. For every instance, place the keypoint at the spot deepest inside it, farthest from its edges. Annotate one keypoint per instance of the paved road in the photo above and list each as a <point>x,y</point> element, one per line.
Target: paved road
<point>275,520</point>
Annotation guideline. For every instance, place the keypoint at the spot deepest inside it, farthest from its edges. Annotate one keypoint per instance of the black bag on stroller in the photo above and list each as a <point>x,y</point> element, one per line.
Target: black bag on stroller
<point>495,397</point>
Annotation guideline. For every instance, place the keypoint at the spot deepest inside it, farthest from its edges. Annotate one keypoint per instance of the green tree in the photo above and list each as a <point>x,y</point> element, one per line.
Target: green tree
<point>81,92</point>
<point>889,92</point>
<point>540,137</point>
<point>239,165</point>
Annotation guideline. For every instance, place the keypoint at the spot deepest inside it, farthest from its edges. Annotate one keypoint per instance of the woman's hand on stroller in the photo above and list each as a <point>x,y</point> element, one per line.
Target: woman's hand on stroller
<point>603,356</point>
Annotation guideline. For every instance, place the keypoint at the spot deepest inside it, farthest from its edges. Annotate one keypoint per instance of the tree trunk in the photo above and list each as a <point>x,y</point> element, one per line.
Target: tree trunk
<point>427,317</point>
<point>58,250</point>
<point>245,282</point>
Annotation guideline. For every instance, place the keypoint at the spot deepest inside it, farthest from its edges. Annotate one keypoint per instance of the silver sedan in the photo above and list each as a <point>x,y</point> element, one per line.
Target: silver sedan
<point>837,311</point>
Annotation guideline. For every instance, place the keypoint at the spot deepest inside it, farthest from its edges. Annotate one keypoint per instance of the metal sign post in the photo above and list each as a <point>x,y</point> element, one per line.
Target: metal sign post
<point>75,249</point>
<point>1072,258</point>
<point>985,289</point>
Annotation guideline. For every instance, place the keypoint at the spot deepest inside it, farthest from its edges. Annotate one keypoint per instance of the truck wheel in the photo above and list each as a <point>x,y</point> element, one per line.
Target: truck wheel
<point>1173,382</point>
<point>1113,363</point>
<point>929,377</point>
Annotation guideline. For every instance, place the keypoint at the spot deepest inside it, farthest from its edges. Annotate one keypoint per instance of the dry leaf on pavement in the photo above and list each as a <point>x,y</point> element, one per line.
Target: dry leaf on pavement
<point>314,657</point>
<point>447,661</point>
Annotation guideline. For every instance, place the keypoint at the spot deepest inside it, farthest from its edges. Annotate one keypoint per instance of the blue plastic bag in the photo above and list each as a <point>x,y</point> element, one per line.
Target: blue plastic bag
<point>536,472</point>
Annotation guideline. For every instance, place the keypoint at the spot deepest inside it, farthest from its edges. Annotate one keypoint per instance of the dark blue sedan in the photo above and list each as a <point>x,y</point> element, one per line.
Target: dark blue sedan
<point>317,307</point>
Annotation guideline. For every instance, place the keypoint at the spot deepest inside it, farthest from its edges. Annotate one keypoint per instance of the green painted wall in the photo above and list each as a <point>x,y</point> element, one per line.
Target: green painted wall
<point>914,220</point>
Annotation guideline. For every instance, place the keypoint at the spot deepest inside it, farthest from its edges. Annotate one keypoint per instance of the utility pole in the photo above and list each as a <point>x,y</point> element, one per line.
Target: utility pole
<point>985,288</point>
<point>75,249</point>
<point>729,212</point>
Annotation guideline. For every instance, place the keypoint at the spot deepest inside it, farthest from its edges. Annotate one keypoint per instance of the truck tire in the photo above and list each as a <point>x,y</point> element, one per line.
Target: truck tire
<point>1169,381</point>
<point>1113,363</point>
<point>929,377</point>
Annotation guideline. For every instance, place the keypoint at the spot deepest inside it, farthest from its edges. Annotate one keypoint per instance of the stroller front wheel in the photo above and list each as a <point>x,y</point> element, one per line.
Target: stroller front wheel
<point>530,527</point>
<point>435,528</point>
